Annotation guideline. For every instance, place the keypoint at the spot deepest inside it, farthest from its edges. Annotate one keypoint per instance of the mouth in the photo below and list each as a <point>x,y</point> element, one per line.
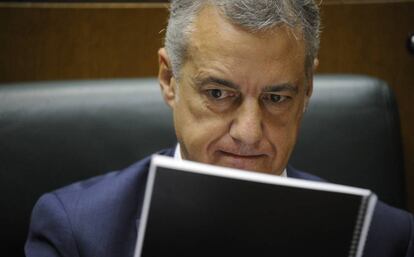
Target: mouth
<point>245,160</point>
<point>252,156</point>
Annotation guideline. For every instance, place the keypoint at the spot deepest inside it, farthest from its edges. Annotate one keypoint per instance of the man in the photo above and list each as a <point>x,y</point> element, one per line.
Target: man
<point>238,77</point>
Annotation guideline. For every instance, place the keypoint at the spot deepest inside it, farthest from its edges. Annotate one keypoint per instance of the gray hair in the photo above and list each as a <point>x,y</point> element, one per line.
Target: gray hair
<point>254,15</point>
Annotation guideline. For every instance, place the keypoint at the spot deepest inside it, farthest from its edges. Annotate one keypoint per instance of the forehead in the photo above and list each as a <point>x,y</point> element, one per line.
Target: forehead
<point>217,42</point>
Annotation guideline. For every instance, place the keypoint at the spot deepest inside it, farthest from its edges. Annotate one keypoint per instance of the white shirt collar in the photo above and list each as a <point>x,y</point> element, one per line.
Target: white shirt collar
<point>177,153</point>
<point>177,156</point>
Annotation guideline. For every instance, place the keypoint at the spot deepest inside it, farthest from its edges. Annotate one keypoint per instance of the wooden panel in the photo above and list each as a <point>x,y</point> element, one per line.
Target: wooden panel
<point>371,39</point>
<point>74,43</point>
<point>78,41</point>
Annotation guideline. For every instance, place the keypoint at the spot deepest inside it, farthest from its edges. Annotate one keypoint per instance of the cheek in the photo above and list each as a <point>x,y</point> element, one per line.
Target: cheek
<point>282,131</point>
<point>193,113</point>
<point>285,122</point>
<point>196,126</point>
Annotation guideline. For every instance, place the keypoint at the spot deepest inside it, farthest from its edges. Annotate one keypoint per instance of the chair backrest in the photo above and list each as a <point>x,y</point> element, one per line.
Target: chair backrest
<point>351,135</point>
<point>54,133</point>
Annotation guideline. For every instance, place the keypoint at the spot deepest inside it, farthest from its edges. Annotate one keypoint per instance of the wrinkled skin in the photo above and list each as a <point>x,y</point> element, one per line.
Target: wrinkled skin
<point>240,96</point>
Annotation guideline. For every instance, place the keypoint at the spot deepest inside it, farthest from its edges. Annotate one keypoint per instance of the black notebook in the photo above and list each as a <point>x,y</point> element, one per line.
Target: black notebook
<point>193,209</point>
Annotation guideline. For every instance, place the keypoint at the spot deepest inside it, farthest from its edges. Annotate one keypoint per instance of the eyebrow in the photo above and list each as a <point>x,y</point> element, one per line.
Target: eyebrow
<point>281,87</point>
<point>214,80</point>
<point>269,89</point>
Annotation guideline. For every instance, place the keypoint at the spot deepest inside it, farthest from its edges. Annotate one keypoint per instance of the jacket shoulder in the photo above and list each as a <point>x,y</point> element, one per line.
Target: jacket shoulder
<point>112,182</point>
<point>298,174</point>
<point>95,214</point>
<point>391,232</point>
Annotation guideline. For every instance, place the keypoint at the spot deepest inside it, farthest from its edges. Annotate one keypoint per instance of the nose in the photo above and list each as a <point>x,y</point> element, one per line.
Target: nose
<point>247,127</point>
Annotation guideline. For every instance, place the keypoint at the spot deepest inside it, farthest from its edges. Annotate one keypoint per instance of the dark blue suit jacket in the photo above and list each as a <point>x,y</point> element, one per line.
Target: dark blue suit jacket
<point>99,217</point>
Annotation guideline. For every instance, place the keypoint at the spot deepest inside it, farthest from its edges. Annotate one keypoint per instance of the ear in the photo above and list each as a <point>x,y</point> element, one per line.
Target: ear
<point>309,83</point>
<point>166,78</point>
<point>308,93</point>
<point>310,79</point>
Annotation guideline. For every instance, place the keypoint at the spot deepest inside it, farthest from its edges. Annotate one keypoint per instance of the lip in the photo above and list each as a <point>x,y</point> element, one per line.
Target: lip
<point>244,161</point>
<point>249,156</point>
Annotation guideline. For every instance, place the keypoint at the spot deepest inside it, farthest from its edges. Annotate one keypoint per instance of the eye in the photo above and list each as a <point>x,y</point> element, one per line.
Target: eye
<point>215,93</point>
<point>219,94</point>
<point>275,98</point>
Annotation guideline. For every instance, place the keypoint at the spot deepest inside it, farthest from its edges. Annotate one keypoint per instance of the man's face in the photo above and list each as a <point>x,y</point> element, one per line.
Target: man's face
<point>240,97</point>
